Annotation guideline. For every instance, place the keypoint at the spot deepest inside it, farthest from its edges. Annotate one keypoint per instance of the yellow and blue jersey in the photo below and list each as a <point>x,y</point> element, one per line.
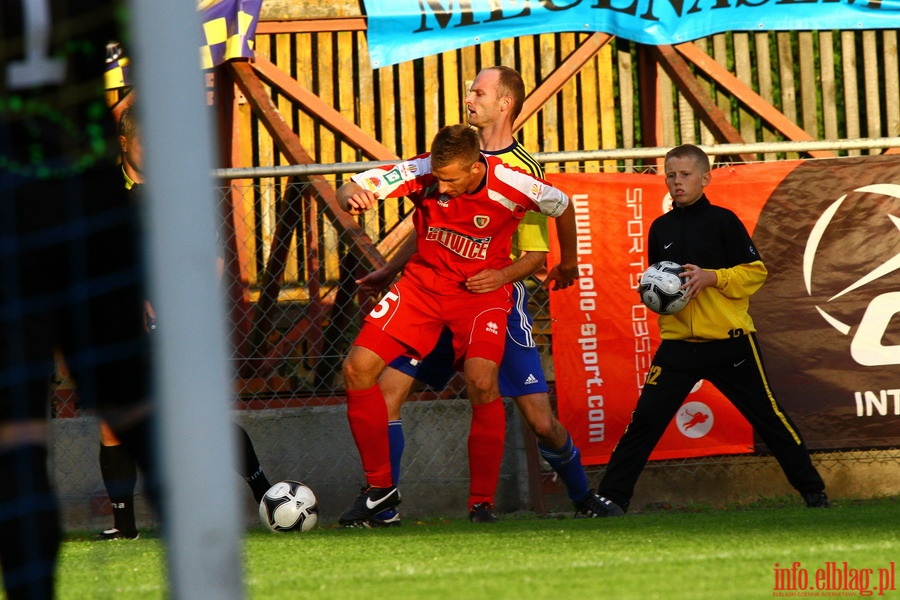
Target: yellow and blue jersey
<point>532,234</point>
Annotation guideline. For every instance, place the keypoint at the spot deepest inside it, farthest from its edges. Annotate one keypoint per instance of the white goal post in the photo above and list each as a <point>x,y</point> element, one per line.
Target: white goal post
<point>201,527</point>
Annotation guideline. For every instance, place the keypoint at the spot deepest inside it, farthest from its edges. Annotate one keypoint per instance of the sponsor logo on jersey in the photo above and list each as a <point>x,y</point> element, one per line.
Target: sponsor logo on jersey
<point>443,201</point>
<point>372,183</point>
<point>463,245</point>
<point>481,221</point>
<point>492,327</point>
<point>393,176</point>
<point>535,190</point>
<point>531,379</point>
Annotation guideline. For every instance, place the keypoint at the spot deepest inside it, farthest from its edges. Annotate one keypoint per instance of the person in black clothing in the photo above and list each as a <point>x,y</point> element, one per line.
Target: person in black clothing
<point>117,466</point>
<point>71,268</point>
<point>712,338</point>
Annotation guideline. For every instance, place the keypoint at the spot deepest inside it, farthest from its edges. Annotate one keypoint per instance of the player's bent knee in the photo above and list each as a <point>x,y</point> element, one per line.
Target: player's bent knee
<point>361,368</point>
<point>542,427</point>
<point>482,389</point>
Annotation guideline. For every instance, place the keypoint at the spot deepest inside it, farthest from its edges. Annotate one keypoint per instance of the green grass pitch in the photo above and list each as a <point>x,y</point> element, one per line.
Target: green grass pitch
<point>686,553</point>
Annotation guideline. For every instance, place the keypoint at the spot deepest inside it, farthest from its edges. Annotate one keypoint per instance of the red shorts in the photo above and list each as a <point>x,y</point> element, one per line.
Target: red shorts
<point>414,317</point>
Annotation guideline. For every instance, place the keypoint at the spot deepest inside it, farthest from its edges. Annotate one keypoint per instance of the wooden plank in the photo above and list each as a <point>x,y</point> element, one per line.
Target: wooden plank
<point>786,83</point>
<point>528,133</point>
<point>364,103</point>
<point>686,120</point>
<point>277,264</point>
<point>508,52</point>
<point>568,96</point>
<point>871,60</point>
<point>748,96</point>
<point>238,260</point>
<point>808,85</point>
<point>589,104</point>
<point>311,9</point>
<point>828,85</point>
<point>708,112</point>
<point>346,95</point>
<point>666,107</point>
<point>786,76</point>
<point>451,89</point>
<point>289,144</point>
<point>625,69</point>
<point>385,103</point>
<point>648,88</point>
<point>686,123</point>
<point>266,156</point>
<point>720,54</point>
<point>409,124</point>
<point>322,110</point>
<point>606,80</point>
<point>763,57</point>
<point>311,26</point>
<point>324,73</point>
<point>468,69</point>
<point>431,119</point>
<point>706,136</point>
<point>549,112</point>
<point>559,75</point>
<point>743,71</point>
<point>891,82</point>
<point>304,78</point>
<point>851,87</point>
<point>487,55</point>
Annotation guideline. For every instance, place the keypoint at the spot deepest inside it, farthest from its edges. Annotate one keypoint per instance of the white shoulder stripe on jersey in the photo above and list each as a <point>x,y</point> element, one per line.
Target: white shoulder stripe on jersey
<point>549,200</point>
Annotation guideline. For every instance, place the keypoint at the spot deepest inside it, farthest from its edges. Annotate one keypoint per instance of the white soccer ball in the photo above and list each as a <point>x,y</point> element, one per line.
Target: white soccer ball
<point>660,288</point>
<point>289,506</point>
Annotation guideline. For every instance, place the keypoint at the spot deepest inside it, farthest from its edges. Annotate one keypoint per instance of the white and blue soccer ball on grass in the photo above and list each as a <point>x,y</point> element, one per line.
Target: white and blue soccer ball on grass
<point>660,288</point>
<point>289,506</point>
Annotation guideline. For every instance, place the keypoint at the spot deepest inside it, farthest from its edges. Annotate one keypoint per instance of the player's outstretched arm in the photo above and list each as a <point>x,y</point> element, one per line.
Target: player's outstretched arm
<point>355,199</point>
<point>566,272</point>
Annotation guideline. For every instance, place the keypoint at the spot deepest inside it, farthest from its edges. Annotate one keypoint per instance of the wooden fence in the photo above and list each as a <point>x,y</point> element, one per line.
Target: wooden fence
<point>831,85</point>
<point>311,96</point>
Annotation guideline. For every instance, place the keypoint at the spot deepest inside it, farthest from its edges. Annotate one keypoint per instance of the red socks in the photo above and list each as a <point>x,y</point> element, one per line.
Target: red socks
<point>367,414</point>
<point>486,450</point>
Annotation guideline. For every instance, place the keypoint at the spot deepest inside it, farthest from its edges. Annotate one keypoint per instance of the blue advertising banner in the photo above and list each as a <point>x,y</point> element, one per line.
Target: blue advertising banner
<point>402,30</point>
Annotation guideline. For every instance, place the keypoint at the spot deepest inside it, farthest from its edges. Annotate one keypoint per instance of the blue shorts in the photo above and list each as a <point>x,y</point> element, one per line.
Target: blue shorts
<point>520,372</point>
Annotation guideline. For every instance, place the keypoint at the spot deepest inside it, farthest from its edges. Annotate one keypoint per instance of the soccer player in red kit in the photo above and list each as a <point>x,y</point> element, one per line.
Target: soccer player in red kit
<point>468,205</point>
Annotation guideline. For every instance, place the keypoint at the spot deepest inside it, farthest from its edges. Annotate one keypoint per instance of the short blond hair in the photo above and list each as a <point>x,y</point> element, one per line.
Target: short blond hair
<point>455,144</point>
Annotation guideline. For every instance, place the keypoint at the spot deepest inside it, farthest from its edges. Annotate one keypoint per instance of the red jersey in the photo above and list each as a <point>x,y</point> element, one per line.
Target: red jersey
<point>459,237</point>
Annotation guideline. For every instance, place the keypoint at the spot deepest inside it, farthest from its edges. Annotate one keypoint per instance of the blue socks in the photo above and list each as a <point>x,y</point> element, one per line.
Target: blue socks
<point>397,443</point>
<point>566,461</point>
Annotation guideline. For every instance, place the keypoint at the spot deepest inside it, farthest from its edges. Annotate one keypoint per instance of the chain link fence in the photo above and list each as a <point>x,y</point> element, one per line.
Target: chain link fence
<point>297,309</point>
<point>289,273</point>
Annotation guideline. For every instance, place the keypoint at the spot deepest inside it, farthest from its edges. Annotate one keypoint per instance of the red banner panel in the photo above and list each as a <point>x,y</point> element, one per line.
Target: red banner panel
<point>604,338</point>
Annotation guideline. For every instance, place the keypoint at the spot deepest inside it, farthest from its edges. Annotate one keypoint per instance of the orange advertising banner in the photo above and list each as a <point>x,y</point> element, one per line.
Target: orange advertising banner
<point>604,338</point>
